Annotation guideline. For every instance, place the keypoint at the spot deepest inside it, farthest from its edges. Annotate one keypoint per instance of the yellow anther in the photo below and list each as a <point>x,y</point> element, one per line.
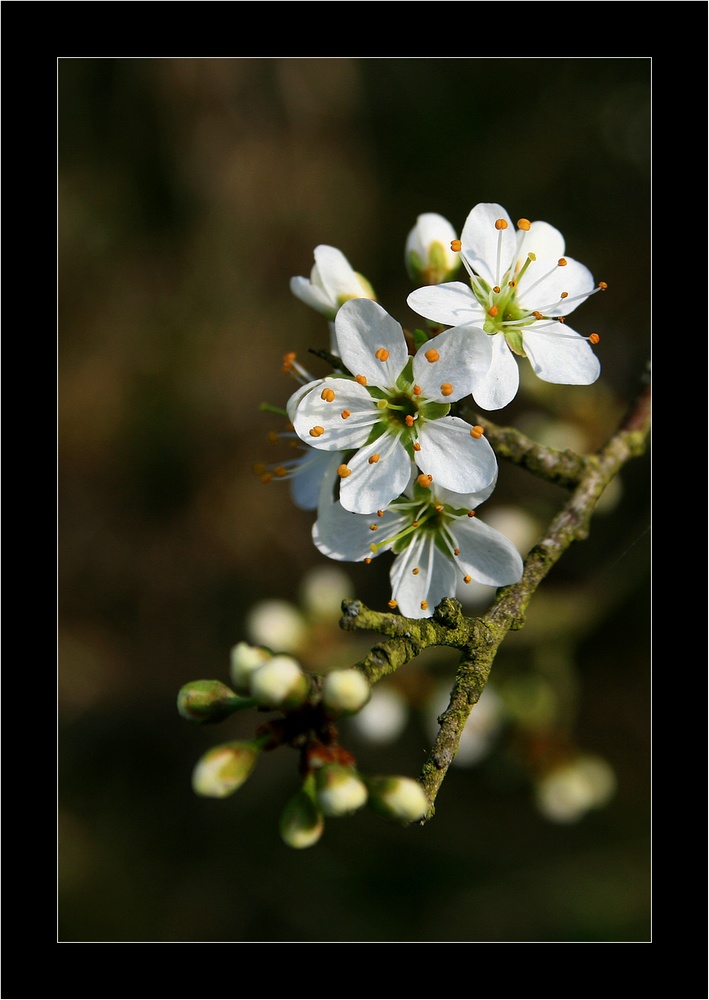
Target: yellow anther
<point>362,379</point>
<point>467,579</point>
<point>380,513</point>
<point>562,262</point>
<point>417,390</point>
<point>414,524</point>
<point>456,552</point>
<point>409,420</point>
<point>456,246</point>
<point>602,285</point>
<point>500,224</point>
<point>372,527</point>
<point>382,354</point>
<point>290,356</point>
<point>373,459</point>
<point>511,284</point>
<point>439,507</point>
<point>564,295</point>
<point>477,431</point>
<point>446,389</point>
<point>594,338</point>
<point>531,256</point>
<point>493,311</point>
<point>267,477</point>
<point>424,605</point>
<point>431,355</point>
<point>367,560</point>
<point>561,319</point>
<point>416,571</point>
<point>343,472</point>
<point>424,480</point>
<point>328,395</point>
<point>524,224</point>
<point>538,315</point>
<point>316,431</point>
<point>417,446</point>
<point>280,471</point>
<point>392,604</point>
<point>471,513</point>
<point>345,414</point>
<point>497,289</point>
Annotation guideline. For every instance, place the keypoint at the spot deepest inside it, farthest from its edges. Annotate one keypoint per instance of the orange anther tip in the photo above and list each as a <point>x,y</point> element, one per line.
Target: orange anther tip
<point>417,390</point>
<point>409,420</point>
<point>493,311</point>
<point>467,579</point>
<point>471,513</point>
<point>524,224</point>
<point>328,395</point>
<point>602,285</point>
<point>562,261</point>
<point>343,472</point>
<point>345,414</point>
<point>456,245</point>
<point>316,431</point>
<point>382,354</point>
<point>431,355</point>
<point>373,459</point>
<point>424,605</point>
<point>594,338</point>
<point>477,431</point>
<point>500,224</point>
<point>446,389</point>
<point>392,604</point>
<point>362,379</point>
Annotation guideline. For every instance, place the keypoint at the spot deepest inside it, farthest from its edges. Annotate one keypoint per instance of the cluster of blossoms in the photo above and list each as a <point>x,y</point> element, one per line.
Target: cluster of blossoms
<point>331,784</point>
<point>383,452</point>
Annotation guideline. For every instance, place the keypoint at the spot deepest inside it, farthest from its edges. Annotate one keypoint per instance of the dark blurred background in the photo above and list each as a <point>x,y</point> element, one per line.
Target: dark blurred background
<point>190,191</point>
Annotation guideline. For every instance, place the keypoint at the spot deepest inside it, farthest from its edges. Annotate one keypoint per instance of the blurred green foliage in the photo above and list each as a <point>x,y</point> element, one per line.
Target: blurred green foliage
<point>190,191</point>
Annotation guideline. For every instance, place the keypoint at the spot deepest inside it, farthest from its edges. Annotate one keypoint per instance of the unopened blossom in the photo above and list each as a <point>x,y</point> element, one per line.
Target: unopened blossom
<point>522,287</point>
<point>393,411</point>
<point>437,540</point>
<point>332,282</point>
<point>428,255</point>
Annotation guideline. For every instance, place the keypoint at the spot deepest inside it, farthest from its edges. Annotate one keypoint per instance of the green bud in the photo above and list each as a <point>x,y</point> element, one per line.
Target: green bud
<point>224,768</point>
<point>244,659</point>
<point>339,790</point>
<point>279,683</point>
<point>301,824</point>
<point>401,799</point>
<point>208,701</point>
<point>345,691</point>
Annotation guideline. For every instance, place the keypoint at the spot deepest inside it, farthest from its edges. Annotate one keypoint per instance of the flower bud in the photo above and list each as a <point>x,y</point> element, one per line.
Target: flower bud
<point>429,258</point>
<point>339,790</point>
<point>301,824</point>
<point>206,701</point>
<point>345,691</point>
<point>397,798</point>
<point>332,282</point>
<point>566,793</point>
<point>279,683</point>
<point>277,624</point>
<point>223,769</point>
<point>244,659</point>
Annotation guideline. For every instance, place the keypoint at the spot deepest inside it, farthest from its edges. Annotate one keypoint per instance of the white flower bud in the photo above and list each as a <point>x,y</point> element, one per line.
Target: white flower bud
<point>301,824</point>
<point>345,691</point>
<point>429,258</point>
<point>244,659</point>
<point>397,798</point>
<point>279,683</point>
<point>339,790</point>
<point>223,769</point>
<point>278,625</point>
<point>566,794</point>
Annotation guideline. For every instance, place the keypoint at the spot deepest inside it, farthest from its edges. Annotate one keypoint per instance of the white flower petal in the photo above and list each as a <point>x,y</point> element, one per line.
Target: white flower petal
<point>372,485</point>
<point>314,468</point>
<point>434,579</point>
<point>464,357</point>
<point>485,554</point>
<point>456,460</point>
<point>560,355</point>
<point>337,275</point>
<point>451,304</point>
<point>499,384</point>
<point>546,296</point>
<point>362,329</point>
<point>313,410</point>
<point>490,251</point>
<point>541,239</point>
<point>312,295</point>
